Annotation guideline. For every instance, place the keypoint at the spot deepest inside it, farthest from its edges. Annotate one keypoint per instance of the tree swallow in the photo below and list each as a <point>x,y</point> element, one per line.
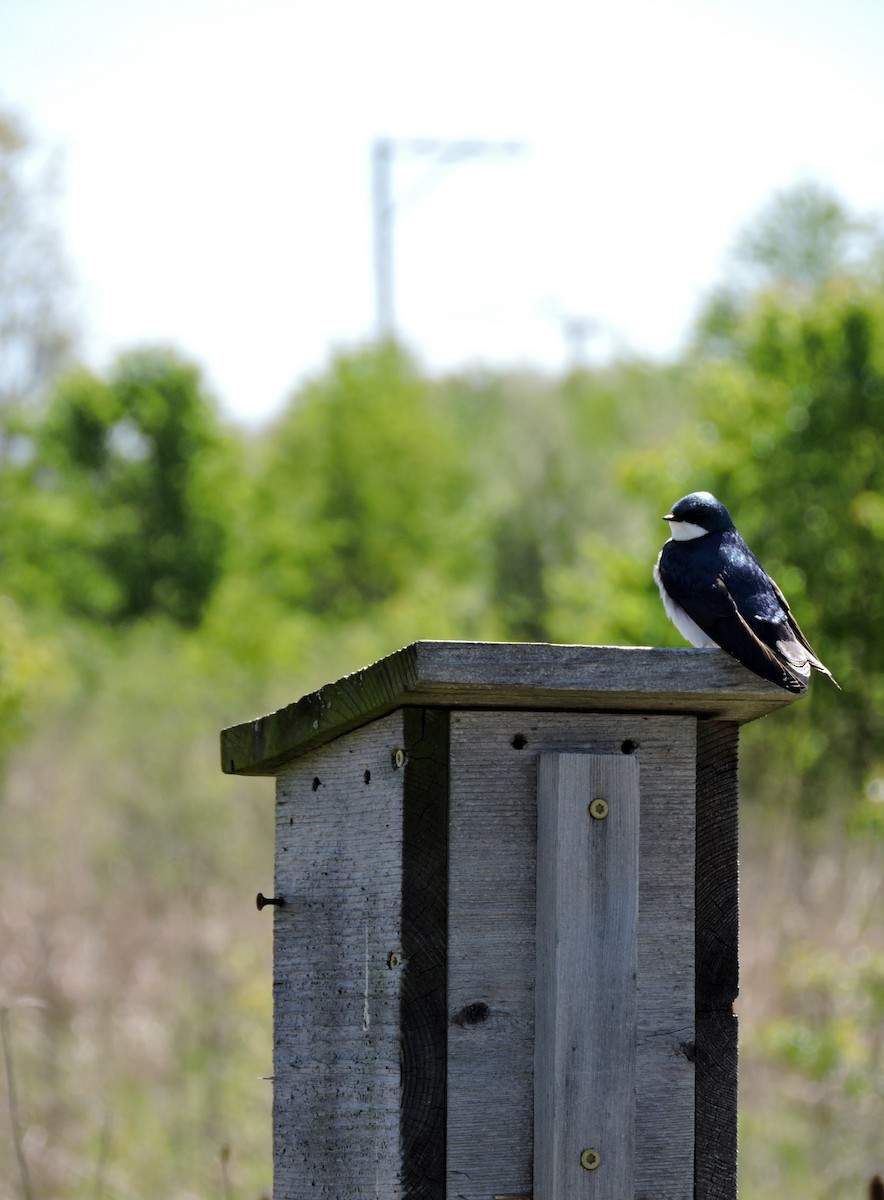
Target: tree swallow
<point>716,593</point>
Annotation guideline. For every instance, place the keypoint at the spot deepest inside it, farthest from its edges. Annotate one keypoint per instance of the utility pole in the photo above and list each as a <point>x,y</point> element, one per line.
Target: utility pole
<point>577,332</point>
<point>384,152</point>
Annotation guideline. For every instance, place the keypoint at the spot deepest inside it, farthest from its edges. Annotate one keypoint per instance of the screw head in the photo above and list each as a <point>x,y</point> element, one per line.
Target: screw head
<point>598,809</point>
<point>590,1159</point>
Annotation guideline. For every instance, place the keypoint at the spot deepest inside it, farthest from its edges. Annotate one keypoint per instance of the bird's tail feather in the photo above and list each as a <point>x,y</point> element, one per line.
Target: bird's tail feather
<point>798,659</point>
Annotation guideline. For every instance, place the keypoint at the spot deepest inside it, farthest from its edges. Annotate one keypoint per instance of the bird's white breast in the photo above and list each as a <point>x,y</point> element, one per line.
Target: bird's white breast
<point>688,628</point>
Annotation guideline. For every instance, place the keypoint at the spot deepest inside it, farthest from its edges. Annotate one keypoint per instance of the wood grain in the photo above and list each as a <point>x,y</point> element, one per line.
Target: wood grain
<point>587,960</point>
<point>491,970</point>
<point>505,675</point>
<point>423,999</point>
<point>717,922</point>
<point>360,954</point>
<point>337,989</point>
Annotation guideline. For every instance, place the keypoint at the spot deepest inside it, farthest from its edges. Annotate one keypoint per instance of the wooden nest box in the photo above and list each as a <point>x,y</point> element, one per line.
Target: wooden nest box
<point>505,936</point>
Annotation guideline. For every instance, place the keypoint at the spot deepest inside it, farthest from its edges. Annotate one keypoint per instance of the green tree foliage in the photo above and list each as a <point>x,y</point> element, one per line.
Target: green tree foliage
<point>513,433</point>
<point>27,672</point>
<point>803,459</point>
<point>787,430</point>
<point>545,457</point>
<point>801,240</point>
<point>804,237</point>
<point>35,340</point>
<point>355,496</point>
<point>118,490</point>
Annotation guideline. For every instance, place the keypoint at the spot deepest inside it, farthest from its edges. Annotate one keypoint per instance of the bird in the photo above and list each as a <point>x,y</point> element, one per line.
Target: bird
<point>716,593</point>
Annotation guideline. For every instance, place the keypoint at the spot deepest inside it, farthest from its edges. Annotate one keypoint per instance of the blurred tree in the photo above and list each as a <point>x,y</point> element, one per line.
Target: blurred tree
<point>35,329</point>
<point>513,431</point>
<point>545,458</point>
<point>360,493</point>
<point>787,427</point>
<point>35,341</point>
<point>788,433</point>
<point>812,443</point>
<point>120,495</point>
<point>27,669</point>
<point>803,237</point>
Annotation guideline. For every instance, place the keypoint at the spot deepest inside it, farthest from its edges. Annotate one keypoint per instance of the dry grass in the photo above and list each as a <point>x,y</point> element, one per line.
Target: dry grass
<point>135,969</point>
<point>811,1011</point>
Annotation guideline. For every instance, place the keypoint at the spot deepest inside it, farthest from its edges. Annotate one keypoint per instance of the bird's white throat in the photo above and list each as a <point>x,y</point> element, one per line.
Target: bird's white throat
<point>686,531</point>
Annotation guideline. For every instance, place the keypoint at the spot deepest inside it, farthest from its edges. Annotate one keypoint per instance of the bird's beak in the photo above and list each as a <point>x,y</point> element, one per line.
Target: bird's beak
<point>669,517</point>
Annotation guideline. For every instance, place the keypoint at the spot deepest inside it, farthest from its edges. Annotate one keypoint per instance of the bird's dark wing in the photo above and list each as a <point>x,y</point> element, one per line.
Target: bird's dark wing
<point>794,646</point>
<point>707,599</point>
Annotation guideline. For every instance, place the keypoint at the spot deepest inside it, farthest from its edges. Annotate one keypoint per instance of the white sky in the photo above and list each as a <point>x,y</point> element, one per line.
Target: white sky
<point>215,165</point>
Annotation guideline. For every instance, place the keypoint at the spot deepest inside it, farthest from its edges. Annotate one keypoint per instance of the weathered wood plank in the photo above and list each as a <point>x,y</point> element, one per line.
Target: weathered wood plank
<point>587,960</point>
<point>360,953</point>
<point>505,675</point>
<point>717,921</point>
<point>337,990</point>
<point>423,998</point>
<point>492,944</point>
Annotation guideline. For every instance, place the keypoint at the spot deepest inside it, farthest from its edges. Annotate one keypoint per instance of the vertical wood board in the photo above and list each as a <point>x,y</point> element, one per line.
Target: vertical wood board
<point>491,967</point>
<point>587,959</point>
<point>423,1003</point>
<point>339,821</point>
<point>717,921</point>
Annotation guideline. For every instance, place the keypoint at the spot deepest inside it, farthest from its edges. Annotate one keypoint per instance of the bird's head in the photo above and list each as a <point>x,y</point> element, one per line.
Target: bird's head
<point>696,515</point>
